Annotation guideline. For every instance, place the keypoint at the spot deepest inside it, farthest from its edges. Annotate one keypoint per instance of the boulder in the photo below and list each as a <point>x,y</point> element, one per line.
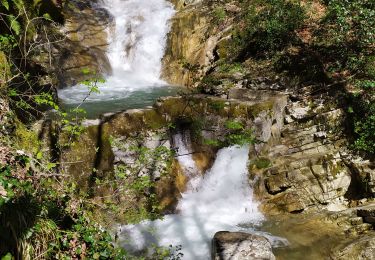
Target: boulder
<point>239,245</point>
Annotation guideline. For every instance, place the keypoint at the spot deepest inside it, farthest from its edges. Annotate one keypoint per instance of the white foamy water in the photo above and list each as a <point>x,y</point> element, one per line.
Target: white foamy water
<point>182,145</point>
<point>221,200</point>
<point>137,44</point>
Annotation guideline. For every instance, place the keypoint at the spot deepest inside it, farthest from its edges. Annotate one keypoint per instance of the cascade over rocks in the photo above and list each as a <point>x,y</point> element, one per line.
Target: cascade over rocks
<point>105,143</point>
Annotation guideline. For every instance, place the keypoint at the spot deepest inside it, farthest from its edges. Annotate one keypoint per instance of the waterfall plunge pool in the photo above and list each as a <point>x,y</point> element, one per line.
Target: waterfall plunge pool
<point>114,102</point>
<point>137,41</point>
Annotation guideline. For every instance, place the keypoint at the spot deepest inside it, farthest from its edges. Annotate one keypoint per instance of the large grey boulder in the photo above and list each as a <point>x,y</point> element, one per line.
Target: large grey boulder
<point>240,246</point>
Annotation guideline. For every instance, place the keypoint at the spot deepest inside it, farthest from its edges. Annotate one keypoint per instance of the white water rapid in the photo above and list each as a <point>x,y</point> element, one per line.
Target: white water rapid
<point>221,200</point>
<point>137,44</point>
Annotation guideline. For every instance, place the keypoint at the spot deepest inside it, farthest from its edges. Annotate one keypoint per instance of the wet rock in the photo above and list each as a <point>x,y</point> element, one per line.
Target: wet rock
<point>362,248</point>
<point>116,141</point>
<point>240,246</point>
<point>368,214</point>
<point>187,43</point>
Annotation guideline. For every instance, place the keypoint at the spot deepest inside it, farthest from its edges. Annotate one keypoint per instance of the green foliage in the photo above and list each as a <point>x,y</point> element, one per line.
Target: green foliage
<point>237,134</point>
<point>348,31</point>
<point>351,23</point>
<point>8,256</point>
<point>136,179</point>
<point>261,163</point>
<point>270,25</point>
<point>234,125</point>
<point>220,14</point>
<point>366,84</point>
<point>364,126</point>
<point>45,229</point>
<point>217,105</point>
<point>14,24</point>
<point>7,42</point>
<point>230,67</point>
<point>5,3</point>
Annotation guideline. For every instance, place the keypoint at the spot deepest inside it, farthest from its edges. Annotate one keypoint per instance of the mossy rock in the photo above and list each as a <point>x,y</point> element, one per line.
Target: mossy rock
<point>261,163</point>
<point>4,70</point>
<point>26,139</point>
<point>223,48</point>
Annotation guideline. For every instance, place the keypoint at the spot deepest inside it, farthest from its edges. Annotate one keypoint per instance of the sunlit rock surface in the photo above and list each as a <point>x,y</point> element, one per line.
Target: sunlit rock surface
<point>240,246</point>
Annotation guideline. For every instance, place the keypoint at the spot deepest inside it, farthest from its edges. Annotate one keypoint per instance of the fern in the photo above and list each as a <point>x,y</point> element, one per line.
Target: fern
<point>14,25</point>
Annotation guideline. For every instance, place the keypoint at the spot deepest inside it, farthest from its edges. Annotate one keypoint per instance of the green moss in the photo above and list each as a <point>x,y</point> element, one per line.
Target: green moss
<point>217,105</point>
<point>4,69</point>
<point>224,48</point>
<point>262,163</point>
<point>154,120</point>
<point>250,111</point>
<point>256,109</point>
<point>26,139</point>
<point>174,107</point>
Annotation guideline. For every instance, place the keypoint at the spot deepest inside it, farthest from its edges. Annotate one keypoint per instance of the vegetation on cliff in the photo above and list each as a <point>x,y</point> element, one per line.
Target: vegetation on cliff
<point>325,44</point>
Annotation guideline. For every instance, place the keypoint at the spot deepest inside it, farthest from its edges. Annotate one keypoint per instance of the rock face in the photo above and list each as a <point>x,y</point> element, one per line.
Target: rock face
<point>192,42</point>
<point>309,165</point>
<point>78,45</point>
<point>240,246</point>
<point>85,27</point>
<point>368,214</point>
<point>186,44</point>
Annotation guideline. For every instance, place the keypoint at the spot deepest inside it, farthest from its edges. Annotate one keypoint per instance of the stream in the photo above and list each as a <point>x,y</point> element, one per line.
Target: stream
<point>219,200</point>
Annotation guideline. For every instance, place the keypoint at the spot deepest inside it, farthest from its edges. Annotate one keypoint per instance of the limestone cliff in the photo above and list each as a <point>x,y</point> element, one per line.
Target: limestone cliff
<point>191,42</point>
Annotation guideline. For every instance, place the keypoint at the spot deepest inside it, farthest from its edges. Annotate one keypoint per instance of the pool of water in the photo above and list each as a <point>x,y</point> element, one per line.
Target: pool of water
<point>127,100</point>
<point>310,237</point>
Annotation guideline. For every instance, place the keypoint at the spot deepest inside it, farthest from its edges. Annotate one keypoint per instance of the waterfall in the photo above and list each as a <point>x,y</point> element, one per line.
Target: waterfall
<point>221,200</point>
<point>136,46</point>
<point>182,144</point>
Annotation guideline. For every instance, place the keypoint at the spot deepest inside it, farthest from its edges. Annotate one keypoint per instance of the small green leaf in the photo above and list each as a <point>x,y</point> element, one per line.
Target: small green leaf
<point>86,71</point>
<point>5,4</point>
<point>39,155</point>
<point>15,25</point>
<point>47,16</point>
<point>51,165</point>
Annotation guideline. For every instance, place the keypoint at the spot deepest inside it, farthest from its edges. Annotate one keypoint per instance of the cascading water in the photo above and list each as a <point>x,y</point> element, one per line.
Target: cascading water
<point>221,200</point>
<point>136,46</point>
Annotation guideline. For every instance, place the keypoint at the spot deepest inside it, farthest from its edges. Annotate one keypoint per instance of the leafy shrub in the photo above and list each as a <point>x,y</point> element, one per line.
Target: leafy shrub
<point>347,35</point>
<point>47,218</point>
<point>270,25</point>
<point>364,127</point>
